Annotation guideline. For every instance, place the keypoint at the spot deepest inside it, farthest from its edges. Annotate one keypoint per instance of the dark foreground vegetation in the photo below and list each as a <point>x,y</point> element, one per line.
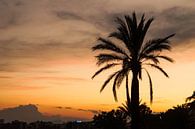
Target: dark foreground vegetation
<point>178,117</point>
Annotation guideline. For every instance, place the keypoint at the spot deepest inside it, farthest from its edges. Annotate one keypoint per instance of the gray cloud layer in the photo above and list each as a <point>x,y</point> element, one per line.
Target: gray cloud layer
<point>177,20</point>
<point>32,32</point>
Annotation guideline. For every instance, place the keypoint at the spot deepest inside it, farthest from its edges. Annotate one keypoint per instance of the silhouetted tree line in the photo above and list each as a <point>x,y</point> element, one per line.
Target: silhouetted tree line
<point>45,125</point>
<point>178,117</point>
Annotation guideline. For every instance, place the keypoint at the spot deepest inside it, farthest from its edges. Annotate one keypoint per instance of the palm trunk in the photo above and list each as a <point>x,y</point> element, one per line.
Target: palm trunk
<point>135,123</point>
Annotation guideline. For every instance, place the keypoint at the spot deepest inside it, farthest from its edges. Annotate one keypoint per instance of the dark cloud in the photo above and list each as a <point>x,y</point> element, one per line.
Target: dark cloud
<point>94,111</point>
<point>26,113</point>
<point>68,107</point>
<point>88,110</point>
<point>59,107</point>
<point>30,113</point>
<point>79,109</point>
<point>67,16</point>
<point>11,13</point>
<point>177,20</point>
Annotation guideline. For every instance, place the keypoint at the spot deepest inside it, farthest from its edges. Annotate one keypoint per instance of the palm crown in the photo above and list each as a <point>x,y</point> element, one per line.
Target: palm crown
<point>130,51</point>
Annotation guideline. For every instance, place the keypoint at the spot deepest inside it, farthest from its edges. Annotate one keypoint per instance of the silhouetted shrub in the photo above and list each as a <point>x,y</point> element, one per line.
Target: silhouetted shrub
<point>114,119</point>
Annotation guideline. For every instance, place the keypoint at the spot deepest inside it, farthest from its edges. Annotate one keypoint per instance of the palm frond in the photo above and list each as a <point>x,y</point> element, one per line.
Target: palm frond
<point>117,81</point>
<point>141,23</point>
<point>123,29</point>
<point>156,45</point>
<point>131,23</point>
<point>124,32</point>
<point>122,38</point>
<point>106,58</point>
<point>159,68</point>
<point>104,68</point>
<point>127,88</point>
<point>114,85</point>
<point>146,27</point>
<point>106,44</point>
<point>121,78</point>
<point>134,19</point>
<point>155,58</point>
<point>151,87</point>
<point>165,58</point>
<point>108,80</point>
<point>192,97</point>
<point>126,108</point>
<point>151,57</point>
<point>132,28</point>
<point>118,36</point>
<point>139,32</point>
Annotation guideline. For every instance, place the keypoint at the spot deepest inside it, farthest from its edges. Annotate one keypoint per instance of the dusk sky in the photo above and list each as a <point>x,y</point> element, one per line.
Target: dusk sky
<point>45,56</point>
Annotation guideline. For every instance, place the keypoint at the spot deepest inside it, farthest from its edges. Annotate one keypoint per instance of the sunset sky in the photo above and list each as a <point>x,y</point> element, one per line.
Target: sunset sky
<point>45,56</point>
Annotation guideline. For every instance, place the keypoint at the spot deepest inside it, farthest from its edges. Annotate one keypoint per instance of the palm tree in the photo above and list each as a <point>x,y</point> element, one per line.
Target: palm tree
<point>192,97</point>
<point>190,101</point>
<point>132,54</point>
<point>144,110</point>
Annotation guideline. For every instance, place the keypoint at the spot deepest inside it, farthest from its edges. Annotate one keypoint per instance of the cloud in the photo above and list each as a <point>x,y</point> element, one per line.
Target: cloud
<point>79,109</point>
<point>59,78</point>
<point>17,55</point>
<point>88,110</point>
<point>67,16</point>
<point>179,20</point>
<point>93,111</point>
<point>30,113</point>
<point>59,107</point>
<point>6,77</point>
<point>67,107</point>
<point>29,87</point>
<point>22,87</point>
<point>36,32</point>
<point>27,113</point>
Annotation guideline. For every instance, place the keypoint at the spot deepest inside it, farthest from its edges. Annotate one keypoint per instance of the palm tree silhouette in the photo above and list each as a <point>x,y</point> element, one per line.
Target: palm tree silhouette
<point>192,97</point>
<point>132,54</point>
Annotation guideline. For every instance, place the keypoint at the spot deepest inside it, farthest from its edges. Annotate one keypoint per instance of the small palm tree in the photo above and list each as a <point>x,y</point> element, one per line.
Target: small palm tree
<point>143,108</point>
<point>132,54</point>
<point>190,101</point>
<point>192,97</point>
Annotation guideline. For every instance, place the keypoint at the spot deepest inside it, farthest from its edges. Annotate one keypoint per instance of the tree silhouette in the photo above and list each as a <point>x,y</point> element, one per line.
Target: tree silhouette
<point>115,119</point>
<point>144,111</point>
<point>132,54</point>
<point>191,104</point>
<point>192,97</point>
<point>177,117</point>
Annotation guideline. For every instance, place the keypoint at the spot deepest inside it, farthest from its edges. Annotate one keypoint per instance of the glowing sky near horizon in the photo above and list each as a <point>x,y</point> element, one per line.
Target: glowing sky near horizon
<point>46,58</point>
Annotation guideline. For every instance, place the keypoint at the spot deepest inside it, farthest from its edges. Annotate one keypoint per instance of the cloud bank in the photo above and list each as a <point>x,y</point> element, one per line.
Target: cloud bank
<point>30,113</point>
<point>33,32</point>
